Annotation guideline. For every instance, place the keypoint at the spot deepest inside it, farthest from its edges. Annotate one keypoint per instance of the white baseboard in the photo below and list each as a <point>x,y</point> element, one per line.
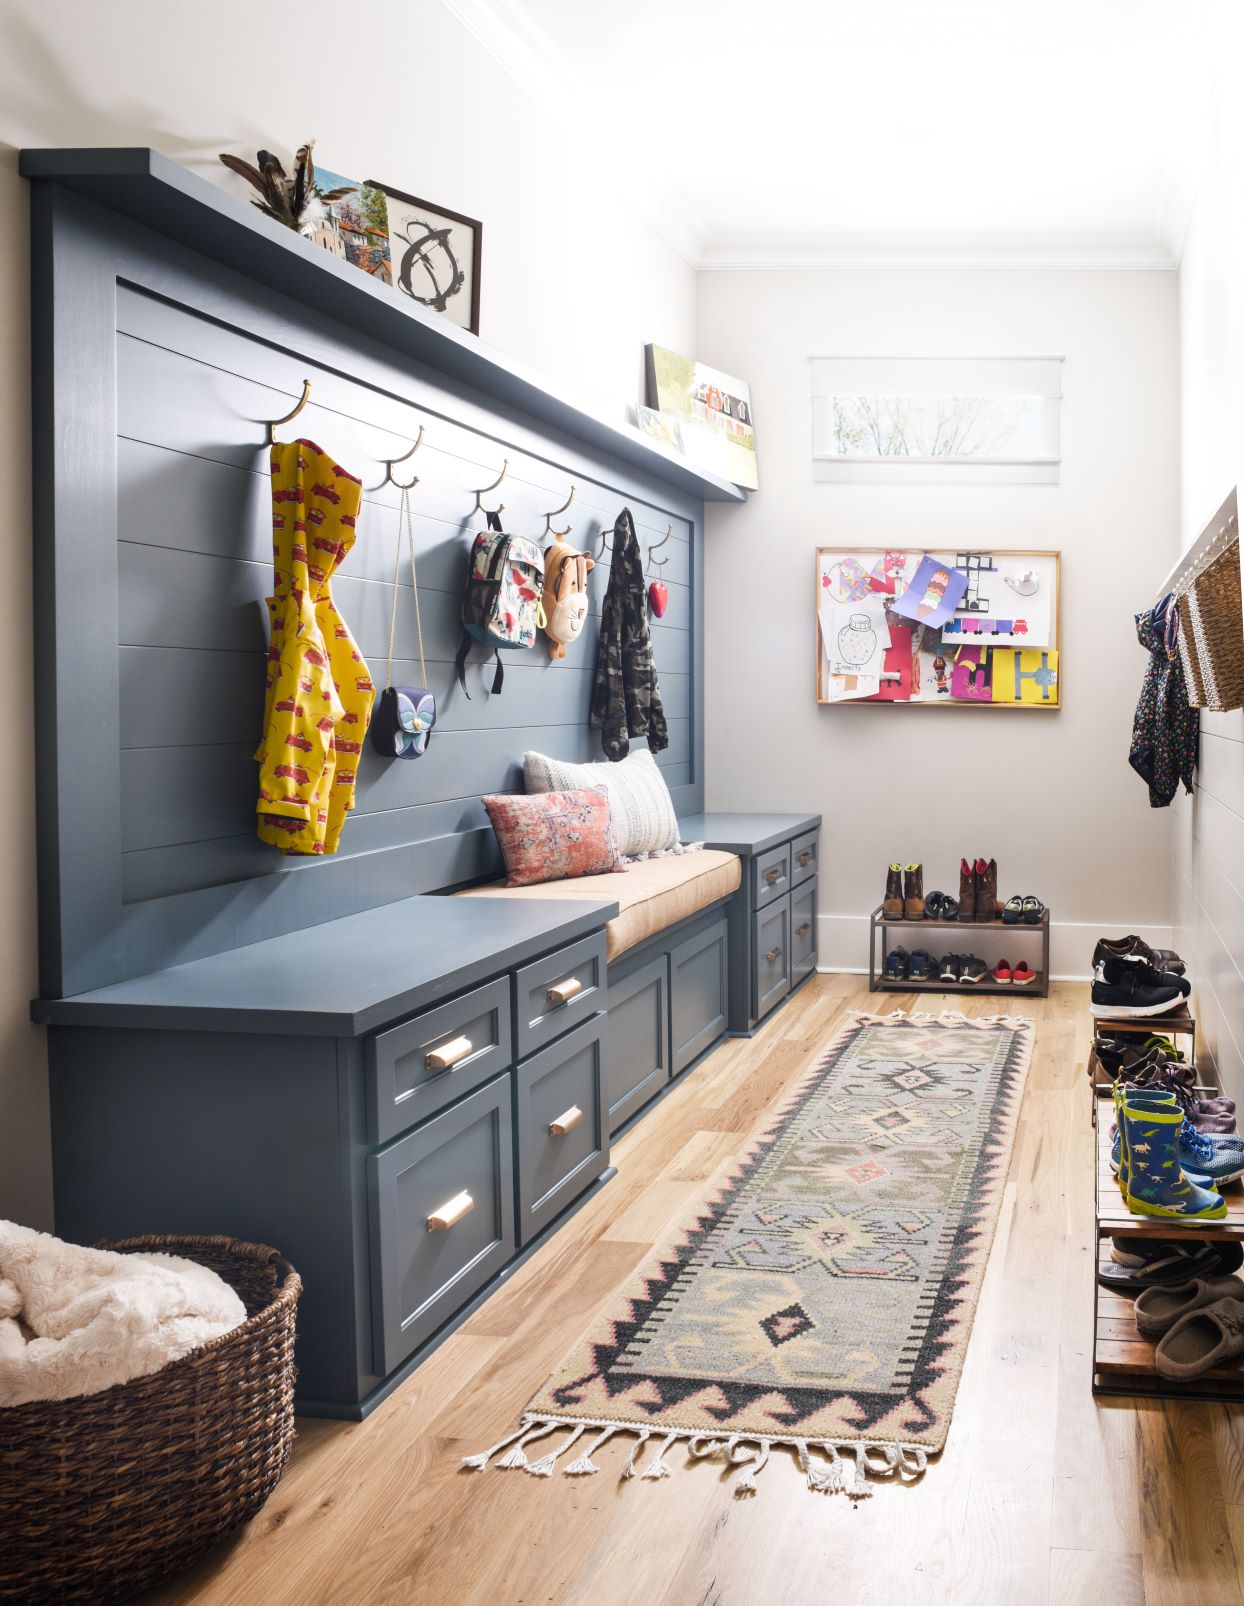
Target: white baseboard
<point>843,943</point>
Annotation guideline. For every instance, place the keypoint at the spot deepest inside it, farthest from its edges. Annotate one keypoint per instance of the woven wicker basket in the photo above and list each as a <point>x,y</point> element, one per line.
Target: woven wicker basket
<point>1211,634</point>
<point>104,1495</point>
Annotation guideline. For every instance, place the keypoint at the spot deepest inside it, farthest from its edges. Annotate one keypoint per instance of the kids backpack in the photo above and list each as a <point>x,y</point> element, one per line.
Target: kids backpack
<point>501,606</point>
<point>565,596</point>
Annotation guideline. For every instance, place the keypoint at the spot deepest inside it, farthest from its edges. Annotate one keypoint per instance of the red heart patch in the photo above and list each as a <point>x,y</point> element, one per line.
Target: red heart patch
<point>658,597</point>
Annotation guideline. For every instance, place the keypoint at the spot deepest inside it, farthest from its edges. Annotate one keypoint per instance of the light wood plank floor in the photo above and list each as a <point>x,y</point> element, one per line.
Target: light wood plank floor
<point>1042,1494</point>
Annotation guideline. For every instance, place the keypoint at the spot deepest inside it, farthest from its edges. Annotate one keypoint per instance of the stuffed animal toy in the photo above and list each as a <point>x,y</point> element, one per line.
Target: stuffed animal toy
<point>565,595</point>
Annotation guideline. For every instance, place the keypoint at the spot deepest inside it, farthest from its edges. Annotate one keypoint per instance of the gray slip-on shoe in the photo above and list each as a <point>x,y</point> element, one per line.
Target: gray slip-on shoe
<point>1201,1340</point>
<point>1158,1309</point>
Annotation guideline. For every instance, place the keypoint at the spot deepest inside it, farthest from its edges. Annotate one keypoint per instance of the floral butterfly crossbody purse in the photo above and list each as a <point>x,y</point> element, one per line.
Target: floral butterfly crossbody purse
<point>401,725</point>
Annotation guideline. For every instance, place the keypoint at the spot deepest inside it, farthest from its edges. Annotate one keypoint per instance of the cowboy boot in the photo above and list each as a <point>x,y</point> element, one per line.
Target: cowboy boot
<point>986,876</point>
<point>913,892</point>
<point>892,903</point>
<point>967,891</point>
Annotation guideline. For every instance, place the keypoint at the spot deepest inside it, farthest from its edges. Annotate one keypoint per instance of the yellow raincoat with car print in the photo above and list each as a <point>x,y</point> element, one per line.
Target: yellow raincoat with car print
<point>319,691</point>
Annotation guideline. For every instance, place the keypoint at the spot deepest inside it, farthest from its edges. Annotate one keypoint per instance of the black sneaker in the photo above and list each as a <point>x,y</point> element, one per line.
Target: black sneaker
<point>1153,974</point>
<point>950,968</point>
<point>1123,988</point>
<point>896,963</point>
<point>973,969</point>
<point>921,967</point>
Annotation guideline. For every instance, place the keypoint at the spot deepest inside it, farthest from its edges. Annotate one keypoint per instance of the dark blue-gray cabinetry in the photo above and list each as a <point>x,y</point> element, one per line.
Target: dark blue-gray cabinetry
<point>773,918</point>
<point>561,1124</point>
<point>699,987</point>
<point>639,1035</point>
<point>441,1203</point>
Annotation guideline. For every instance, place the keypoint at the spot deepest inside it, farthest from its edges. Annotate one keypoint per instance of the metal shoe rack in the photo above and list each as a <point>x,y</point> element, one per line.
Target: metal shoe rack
<point>951,936</point>
<point>1122,1357</point>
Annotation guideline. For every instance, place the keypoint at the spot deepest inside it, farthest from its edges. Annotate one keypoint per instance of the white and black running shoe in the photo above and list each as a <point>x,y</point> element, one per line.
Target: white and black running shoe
<point>1131,990</point>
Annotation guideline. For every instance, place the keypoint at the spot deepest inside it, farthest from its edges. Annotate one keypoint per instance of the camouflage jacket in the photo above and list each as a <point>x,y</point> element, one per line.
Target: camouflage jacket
<point>626,700</point>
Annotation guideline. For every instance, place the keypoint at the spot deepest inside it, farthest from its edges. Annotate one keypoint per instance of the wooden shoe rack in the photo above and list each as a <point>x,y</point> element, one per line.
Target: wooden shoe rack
<point>1178,1024</point>
<point>958,936</point>
<point>1122,1358</point>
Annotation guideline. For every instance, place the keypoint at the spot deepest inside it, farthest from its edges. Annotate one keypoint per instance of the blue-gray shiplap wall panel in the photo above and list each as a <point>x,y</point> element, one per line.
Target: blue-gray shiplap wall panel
<point>199,358</point>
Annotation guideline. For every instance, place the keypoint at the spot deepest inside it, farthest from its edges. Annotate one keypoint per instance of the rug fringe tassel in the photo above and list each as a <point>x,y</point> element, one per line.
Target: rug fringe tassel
<point>828,1466</point>
<point>543,1468</point>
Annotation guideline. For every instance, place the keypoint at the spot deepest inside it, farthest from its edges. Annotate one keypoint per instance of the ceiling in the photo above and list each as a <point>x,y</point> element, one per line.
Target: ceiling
<point>878,133</point>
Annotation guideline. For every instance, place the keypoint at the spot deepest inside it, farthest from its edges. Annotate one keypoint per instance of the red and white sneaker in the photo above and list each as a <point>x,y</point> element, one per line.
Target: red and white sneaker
<point>1002,973</point>
<point>1023,974</point>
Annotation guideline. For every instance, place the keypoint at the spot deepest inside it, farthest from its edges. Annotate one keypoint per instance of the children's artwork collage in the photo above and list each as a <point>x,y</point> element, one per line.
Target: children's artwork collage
<point>943,627</point>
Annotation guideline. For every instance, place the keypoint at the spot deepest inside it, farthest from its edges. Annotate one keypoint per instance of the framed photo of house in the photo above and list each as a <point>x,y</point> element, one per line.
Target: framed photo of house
<point>436,256</point>
<point>355,224</point>
<point>953,628</point>
<point>713,412</point>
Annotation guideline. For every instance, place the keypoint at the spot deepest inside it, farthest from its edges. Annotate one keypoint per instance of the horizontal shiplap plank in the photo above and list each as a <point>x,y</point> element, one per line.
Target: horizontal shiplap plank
<point>194,697</point>
<point>169,598</point>
<point>168,497</point>
<point>170,398</point>
<point>196,793</point>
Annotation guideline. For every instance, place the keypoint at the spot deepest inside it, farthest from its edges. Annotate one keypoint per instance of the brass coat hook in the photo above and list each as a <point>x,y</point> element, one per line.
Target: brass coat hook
<point>484,489</point>
<point>391,462</point>
<point>289,417</point>
<point>604,543</point>
<point>660,562</point>
<point>549,517</point>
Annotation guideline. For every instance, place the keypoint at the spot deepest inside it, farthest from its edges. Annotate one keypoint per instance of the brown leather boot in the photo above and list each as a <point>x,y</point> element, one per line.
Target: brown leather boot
<point>987,906</point>
<point>967,891</point>
<point>913,892</point>
<point>892,903</point>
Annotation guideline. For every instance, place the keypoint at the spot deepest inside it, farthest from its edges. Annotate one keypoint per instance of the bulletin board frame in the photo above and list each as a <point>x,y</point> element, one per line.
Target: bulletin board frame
<point>869,555</point>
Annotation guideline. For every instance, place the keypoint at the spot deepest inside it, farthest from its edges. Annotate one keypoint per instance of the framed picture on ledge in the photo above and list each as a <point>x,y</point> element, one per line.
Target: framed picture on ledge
<point>435,255</point>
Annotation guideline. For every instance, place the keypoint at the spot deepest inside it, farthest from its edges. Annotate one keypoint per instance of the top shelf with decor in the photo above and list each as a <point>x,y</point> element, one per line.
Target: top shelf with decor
<point>959,627</point>
<point>152,190</point>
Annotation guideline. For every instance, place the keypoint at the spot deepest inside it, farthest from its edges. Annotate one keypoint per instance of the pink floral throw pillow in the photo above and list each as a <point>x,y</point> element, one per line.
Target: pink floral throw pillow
<point>553,836</point>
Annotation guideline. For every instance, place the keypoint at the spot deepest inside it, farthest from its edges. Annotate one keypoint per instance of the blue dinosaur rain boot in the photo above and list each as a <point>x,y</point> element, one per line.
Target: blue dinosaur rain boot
<point>1191,1158</point>
<point>1156,1185</point>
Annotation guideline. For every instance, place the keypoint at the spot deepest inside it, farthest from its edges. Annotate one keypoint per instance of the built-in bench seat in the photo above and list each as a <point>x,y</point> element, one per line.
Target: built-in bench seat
<point>651,896</point>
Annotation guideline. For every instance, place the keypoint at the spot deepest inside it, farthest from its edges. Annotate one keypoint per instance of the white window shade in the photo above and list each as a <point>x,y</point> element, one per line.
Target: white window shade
<point>990,420</point>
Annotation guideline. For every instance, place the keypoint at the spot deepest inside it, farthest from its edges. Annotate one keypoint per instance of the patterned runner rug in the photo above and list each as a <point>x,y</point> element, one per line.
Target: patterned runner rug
<point>822,1301</point>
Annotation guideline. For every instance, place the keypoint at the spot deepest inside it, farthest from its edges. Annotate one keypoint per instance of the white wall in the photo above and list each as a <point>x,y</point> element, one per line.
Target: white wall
<point>1209,827</point>
<point>574,282</point>
<point>1051,796</point>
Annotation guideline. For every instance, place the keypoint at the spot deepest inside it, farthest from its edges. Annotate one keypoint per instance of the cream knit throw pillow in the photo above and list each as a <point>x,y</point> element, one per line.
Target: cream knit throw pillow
<point>640,806</point>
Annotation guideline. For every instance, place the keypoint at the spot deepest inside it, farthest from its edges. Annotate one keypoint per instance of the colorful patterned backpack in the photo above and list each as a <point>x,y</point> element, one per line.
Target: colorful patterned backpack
<point>501,606</point>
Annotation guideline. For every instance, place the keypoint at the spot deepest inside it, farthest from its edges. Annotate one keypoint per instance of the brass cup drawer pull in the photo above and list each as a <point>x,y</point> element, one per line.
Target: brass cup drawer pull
<point>565,1122</point>
<point>460,1205</point>
<point>804,929</point>
<point>450,1054</point>
<point>774,953</point>
<point>563,991</point>
<point>773,875</point>
<point>806,856</point>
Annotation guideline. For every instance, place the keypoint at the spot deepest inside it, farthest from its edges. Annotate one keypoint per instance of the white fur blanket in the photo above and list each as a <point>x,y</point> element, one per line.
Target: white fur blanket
<point>75,1321</point>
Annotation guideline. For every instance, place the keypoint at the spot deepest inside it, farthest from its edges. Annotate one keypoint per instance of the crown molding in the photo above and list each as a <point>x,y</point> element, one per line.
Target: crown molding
<point>950,252</point>
<point>532,59</point>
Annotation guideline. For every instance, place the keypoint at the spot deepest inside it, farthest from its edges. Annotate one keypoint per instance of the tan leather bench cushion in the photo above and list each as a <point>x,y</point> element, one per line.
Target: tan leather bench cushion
<point>651,895</point>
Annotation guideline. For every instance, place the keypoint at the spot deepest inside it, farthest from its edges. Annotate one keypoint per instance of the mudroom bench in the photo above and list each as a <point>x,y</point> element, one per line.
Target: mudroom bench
<point>409,1099</point>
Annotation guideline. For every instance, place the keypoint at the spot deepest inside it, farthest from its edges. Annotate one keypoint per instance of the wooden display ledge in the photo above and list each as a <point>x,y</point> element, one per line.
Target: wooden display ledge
<point>1122,1359</point>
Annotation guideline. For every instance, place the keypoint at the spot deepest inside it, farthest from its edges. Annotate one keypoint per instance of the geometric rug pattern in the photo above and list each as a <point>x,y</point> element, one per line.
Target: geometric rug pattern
<point>823,1298</point>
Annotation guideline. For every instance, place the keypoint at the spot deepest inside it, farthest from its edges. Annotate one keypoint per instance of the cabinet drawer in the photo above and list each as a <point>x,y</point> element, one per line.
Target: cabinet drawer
<point>698,993</point>
<point>771,955</point>
<point>772,875</point>
<point>802,931</point>
<point>407,1079</point>
<point>542,1010</point>
<point>561,1120</point>
<point>441,1204</point>
<point>639,1038</point>
<point>803,857</point>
